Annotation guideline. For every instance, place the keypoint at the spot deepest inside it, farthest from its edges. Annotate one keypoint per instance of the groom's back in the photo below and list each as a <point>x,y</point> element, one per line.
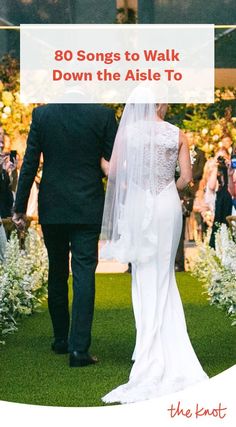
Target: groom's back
<point>73,138</point>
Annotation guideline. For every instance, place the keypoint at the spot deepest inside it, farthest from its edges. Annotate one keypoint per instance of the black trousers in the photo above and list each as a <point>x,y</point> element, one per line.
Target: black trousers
<point>82,242</point>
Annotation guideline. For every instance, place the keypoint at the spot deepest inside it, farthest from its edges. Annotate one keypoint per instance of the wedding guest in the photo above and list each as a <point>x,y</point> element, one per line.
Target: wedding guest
<point>206,196</point>
<point>198,161</point>
<point>201,210</point>
<point>3,241</point>
<point>232,179</point>
<point>10,163</point>
<point>226,142</point>
<point>204,203</point>
<point>6,196</point>
<point>1,139</point>
<point>13,175</point>
<point>187,205</point>
<point>218,182</point>
<point>232,187</point>
<point>210,193</point>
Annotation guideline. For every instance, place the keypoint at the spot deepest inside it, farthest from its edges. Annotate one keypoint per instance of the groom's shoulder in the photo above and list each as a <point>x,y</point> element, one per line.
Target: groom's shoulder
<point>39,110</point>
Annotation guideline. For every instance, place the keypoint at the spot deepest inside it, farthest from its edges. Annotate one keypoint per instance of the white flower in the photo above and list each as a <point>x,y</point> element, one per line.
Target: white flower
<point>217,270</point>
<point>1,104</point>
<point>215,137</point>
<point>4,116</point>
<point>7,110</point>
<point>193,154</point>
<point>23,280</point>
<point>204,131</point>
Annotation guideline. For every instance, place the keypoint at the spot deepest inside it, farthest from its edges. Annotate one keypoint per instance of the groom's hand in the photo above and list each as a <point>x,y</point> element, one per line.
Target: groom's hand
<point>19,220</point>
<point>105,166</point>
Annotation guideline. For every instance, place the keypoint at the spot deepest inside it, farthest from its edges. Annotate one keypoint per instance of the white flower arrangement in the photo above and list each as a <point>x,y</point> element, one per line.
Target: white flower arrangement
<point>217,270</point>
<point>23,280</point>
<point>193,154</point>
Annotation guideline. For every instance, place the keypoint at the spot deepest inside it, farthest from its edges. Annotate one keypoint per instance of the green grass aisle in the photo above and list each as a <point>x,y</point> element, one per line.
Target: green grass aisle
<point>31,373</point>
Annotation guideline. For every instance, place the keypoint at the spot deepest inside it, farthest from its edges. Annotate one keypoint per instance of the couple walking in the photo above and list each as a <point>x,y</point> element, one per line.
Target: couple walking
<point>141,224</point>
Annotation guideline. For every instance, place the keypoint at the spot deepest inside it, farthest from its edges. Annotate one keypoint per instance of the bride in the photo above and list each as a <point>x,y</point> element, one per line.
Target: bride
<point>142,224</point>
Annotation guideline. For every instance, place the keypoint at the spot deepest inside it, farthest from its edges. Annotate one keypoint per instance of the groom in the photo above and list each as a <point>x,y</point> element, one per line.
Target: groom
<point>74,140</point>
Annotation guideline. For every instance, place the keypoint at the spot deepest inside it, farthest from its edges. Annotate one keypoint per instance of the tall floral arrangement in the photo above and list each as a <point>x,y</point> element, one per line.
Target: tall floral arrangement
<point>23,280</point>
<point>15,117</point>
<point>217,270</point>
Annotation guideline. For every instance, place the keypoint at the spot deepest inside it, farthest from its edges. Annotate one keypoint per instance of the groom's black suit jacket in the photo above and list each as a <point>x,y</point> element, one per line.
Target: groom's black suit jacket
<point>72,139</point>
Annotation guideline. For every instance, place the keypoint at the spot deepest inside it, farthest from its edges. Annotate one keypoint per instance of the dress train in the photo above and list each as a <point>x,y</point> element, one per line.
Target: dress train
<point>165,361</point>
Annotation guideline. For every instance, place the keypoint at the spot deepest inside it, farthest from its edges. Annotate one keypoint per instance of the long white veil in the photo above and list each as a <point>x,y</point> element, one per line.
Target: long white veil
<point>132,182</point>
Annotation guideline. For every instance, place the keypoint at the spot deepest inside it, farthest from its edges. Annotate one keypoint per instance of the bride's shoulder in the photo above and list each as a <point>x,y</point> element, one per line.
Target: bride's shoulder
<point>172,129</point>
<point>171,126</point>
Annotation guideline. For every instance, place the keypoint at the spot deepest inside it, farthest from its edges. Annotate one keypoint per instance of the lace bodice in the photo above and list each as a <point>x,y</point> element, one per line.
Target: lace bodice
<point>156,165</point>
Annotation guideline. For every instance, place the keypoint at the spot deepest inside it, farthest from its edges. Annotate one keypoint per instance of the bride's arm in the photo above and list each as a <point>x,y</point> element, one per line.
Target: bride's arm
<point>184,163</point>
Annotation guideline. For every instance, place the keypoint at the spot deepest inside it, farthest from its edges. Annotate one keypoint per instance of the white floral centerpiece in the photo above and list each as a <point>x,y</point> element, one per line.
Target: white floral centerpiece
<point>23,280</point>
<point>217,270</point>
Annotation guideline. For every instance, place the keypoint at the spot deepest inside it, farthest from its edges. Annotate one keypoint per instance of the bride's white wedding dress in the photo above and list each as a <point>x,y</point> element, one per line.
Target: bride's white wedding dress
<point>165,361</point>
